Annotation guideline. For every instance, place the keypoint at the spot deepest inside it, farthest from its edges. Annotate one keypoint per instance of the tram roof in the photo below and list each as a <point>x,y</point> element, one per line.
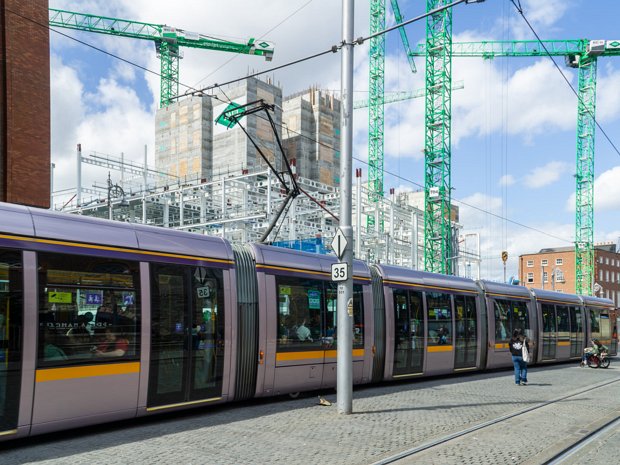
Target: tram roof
<point>545,294</point>
<point>407,275</point>
<point>591,300</point>
<point>39,223</point>
<point>493,287</point>
<point>281,256</point>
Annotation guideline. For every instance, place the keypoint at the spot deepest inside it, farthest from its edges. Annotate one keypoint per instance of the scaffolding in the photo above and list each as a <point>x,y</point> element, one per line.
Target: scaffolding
<point>239,207</point>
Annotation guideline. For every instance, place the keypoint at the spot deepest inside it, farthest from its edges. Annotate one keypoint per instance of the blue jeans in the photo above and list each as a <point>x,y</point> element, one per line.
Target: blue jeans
<point>520,369</point>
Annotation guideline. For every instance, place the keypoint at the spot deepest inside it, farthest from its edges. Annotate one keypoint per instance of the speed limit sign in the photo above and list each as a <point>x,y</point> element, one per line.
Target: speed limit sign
<point>340,272</point>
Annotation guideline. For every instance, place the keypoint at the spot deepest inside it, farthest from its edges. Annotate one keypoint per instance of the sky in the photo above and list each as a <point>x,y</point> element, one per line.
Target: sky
<point>513,123</point>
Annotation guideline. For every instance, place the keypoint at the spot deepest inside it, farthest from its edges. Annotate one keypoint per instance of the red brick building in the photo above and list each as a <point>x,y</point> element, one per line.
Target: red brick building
<point>554,269</point>
<point>24,102</point>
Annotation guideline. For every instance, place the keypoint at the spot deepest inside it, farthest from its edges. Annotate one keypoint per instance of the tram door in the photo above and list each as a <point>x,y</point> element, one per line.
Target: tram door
<point>466,344</point>
<point>187,334</point>
<point>576,331</point>
<point>440,333</point>
<point>549,331</point>
<point>11,317</point>
<point>408,333</point>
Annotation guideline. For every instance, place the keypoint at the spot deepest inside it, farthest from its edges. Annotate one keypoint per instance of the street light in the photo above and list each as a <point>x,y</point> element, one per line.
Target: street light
<point>116,191</point>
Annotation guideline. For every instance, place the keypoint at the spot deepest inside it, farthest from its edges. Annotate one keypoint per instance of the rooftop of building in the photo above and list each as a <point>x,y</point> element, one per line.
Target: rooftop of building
<point>602,246</point>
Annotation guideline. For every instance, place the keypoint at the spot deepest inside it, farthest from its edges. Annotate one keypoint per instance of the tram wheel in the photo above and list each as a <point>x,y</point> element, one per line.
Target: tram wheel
<point>294,395</point>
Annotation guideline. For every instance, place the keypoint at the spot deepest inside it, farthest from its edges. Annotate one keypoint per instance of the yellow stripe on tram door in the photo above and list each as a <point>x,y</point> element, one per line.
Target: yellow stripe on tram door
<point>439,349</point>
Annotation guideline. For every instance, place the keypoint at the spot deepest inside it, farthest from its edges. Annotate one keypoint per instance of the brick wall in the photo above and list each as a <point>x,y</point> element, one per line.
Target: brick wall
<point>24,103</point>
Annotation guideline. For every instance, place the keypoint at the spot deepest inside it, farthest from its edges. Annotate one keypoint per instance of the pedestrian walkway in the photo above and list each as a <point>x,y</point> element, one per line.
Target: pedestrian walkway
<point>386,420</point>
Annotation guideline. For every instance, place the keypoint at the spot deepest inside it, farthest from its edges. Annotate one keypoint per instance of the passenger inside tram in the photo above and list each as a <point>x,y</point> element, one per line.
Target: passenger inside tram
<point>112,345</point>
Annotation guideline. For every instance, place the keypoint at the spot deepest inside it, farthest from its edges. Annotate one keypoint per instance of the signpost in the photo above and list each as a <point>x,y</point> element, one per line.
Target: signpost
<point>344,235</point>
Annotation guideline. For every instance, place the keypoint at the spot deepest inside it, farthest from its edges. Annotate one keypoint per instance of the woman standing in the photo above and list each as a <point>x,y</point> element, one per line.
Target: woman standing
<point>516,344</point>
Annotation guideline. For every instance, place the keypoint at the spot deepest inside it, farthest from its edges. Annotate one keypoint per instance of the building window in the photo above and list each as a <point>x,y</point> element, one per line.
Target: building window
<point>559,261</point>
<point>544,262</point>
<point>530,277</point>
<point>530,263</point>
<point>607,276</point>
<point>545,277</point>
<point>559,276</point>
<point>600,275</point>
<point>606,260</point>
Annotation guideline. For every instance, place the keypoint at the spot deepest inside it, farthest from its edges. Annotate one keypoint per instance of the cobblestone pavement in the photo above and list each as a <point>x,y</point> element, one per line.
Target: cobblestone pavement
<point>387,419</point>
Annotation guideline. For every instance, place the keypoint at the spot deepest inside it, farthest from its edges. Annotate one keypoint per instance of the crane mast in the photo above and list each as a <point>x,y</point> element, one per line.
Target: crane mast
<point>375,108</point>
<point>438,247</point>
<point>376,97</point>
<point>168,41</point>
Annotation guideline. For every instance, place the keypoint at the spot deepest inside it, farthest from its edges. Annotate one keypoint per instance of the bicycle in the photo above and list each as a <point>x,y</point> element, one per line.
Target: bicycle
<point>598,360</point>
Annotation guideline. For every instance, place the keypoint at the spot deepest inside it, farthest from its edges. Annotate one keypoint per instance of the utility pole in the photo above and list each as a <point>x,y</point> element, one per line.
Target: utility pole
<point>344,382</point>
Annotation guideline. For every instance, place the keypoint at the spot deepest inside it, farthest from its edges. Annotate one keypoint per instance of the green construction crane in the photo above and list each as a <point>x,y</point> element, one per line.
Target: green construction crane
<point>168,41</point>
<point>438,247</point>
<point>581,54</point>
<point>376,95</point>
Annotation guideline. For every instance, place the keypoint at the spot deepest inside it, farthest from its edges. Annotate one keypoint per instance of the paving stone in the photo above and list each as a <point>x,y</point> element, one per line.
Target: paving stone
<point>386,420</point>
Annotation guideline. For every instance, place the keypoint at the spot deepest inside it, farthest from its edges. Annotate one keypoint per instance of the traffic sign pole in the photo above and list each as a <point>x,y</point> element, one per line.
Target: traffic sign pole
<point>344,382</point>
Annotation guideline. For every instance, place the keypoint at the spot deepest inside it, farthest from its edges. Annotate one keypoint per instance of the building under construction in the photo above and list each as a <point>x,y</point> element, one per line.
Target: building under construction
<point>215,179</point>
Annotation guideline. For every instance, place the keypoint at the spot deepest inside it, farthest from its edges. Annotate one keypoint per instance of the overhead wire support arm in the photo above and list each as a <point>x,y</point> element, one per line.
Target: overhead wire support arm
<point>230,117</point>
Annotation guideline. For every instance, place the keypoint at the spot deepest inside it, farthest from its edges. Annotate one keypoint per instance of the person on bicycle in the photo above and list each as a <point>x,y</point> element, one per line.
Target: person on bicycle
<point>596,349</point>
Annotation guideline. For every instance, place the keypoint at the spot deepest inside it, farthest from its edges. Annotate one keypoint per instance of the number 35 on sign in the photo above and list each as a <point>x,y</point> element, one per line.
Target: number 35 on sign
<point>340,272</point>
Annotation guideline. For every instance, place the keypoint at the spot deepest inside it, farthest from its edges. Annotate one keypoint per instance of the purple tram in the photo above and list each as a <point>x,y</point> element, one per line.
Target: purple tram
<point>102,321</point>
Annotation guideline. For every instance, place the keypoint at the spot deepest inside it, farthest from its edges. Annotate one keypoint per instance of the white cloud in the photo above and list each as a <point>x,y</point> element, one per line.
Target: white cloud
<point>541,15</point>
<point>534,100</point>
<point>507,180</point>
<point>607,93</point>
<point>544,175</point>
<point>606,192</point>
<point>496,235</point>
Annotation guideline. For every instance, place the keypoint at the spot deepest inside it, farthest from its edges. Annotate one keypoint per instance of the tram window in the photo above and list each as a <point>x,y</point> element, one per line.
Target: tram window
<point>358,316</point>
<point>605,325</point>
<point>330,331</point>
<point>439,310</point>
<point>510,315</point>
<point>299,313</point>
<point>563,322</point>
<point>502,321</point>
<point>595,325</point>
<point>88,310</point>
<point>307,317</point>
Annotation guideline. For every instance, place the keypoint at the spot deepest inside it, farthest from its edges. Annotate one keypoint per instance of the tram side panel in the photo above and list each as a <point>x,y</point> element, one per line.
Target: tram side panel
<point>290,300</point>
<point>76,382</point>
<point>298,304</point>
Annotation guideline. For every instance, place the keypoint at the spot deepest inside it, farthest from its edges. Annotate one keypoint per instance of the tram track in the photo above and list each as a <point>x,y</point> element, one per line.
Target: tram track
<point>570,451</point>
<point>556,459</point>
